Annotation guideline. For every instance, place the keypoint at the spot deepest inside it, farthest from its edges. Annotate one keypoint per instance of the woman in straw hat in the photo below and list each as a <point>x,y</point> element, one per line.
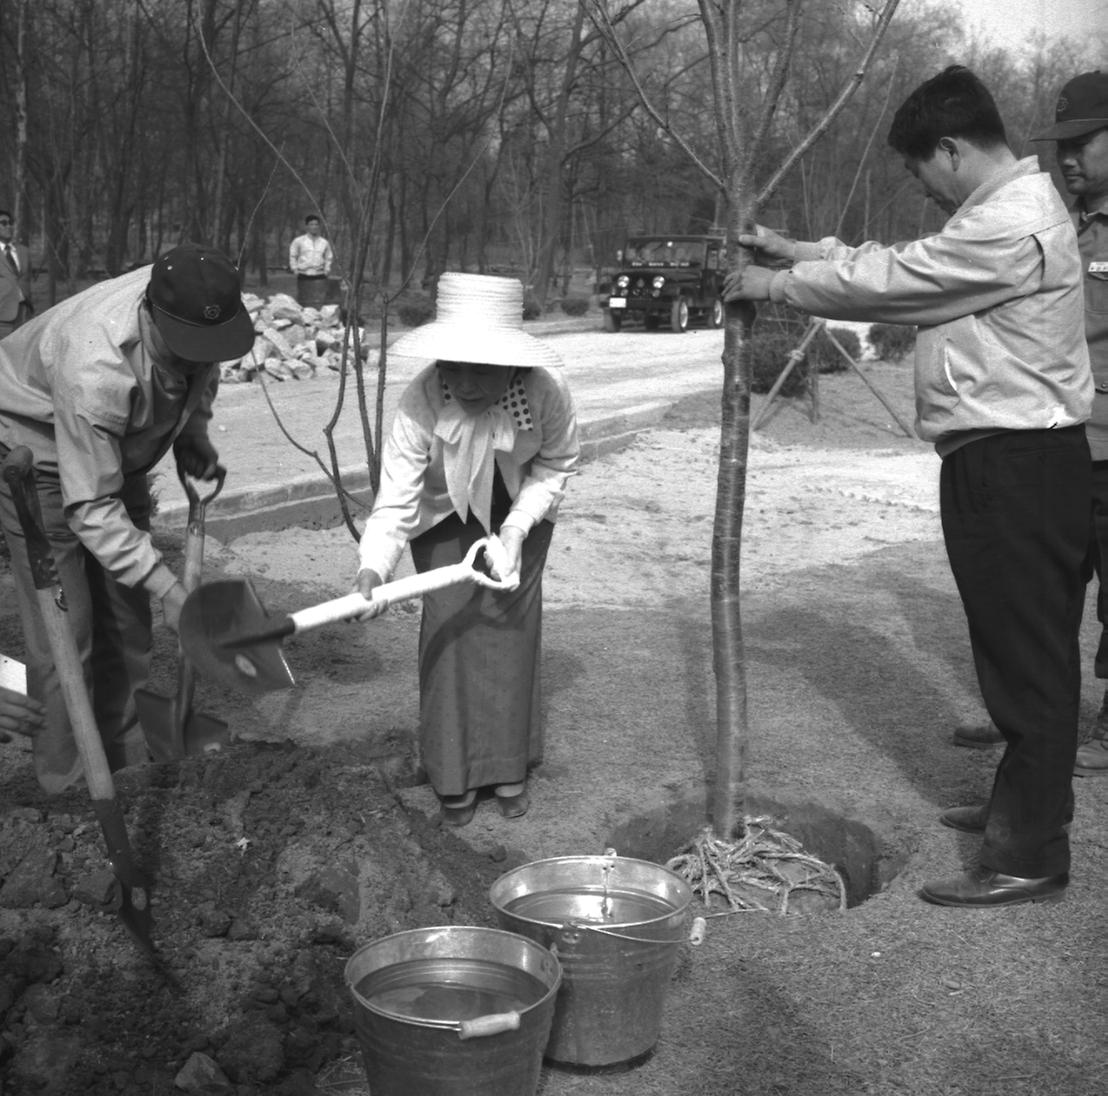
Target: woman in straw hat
<point>483,443</point>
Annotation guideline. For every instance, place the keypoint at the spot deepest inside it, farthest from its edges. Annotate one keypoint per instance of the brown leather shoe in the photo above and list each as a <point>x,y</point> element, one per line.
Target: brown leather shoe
<point>983,888</point>
<point>978,737</point>
<point>966,819</point>
<point>1092,758</point>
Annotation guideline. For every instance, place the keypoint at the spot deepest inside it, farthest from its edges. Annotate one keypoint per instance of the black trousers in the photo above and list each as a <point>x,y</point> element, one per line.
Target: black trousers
<point>311,290</point>
<point>1098,556</point>
<point>1015,513</point>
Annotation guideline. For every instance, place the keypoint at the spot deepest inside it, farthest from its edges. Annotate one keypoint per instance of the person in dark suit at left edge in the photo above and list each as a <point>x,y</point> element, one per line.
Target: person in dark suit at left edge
<point>15,278</point>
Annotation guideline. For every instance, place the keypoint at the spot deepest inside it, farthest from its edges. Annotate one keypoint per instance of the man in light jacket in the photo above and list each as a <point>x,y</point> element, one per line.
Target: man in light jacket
<point>1003,390</point>
<point>100,387</point>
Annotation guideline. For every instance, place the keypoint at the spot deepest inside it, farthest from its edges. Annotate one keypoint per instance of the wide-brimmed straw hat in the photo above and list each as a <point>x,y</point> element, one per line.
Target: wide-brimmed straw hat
<point>478,319</point>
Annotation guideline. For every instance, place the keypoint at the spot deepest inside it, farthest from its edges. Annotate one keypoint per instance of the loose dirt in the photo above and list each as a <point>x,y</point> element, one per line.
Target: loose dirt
<point>274,860</point>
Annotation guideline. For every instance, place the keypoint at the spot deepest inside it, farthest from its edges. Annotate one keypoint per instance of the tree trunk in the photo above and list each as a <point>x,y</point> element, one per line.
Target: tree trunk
<point>19,180</point>
<point>729,655</point>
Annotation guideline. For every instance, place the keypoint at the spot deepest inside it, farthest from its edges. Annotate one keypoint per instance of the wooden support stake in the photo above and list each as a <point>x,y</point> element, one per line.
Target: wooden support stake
<point>871,386</point>
<point>795,356</point>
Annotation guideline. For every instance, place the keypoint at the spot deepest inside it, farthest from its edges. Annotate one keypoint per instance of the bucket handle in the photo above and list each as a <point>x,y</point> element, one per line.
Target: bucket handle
<point>570,930</point>
<point>492,1024</point>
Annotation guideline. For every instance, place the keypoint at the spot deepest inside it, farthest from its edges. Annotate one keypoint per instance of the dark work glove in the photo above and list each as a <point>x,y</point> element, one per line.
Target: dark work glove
<point>197,456</point>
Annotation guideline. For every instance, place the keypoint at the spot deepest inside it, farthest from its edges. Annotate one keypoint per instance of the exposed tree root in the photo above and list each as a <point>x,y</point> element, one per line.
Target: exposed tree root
<point>759,872</point>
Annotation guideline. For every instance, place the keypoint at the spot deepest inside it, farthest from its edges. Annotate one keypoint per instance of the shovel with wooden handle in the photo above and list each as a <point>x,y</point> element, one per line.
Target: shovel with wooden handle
<point>232,639</point>
<point>133,896</point>
<point>173,730</point>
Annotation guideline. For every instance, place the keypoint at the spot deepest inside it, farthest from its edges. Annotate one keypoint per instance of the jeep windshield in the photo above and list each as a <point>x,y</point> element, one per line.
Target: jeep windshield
<point>663,251</point>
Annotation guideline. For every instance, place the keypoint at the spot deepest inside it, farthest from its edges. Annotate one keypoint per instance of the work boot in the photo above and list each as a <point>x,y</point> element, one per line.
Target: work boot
<point>978,737</point>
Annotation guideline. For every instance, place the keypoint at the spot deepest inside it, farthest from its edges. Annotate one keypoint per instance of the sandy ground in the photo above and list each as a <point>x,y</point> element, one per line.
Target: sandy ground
<point>857,666</point>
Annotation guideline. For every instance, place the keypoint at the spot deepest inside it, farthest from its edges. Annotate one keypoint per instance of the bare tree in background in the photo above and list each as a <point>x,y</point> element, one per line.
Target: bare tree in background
<point>750,51</point>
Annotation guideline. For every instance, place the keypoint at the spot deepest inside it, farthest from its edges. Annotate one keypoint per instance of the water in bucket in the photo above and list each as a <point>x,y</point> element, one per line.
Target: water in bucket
<point>449,989</point>
<point>593,906</point>
<point>453,1011</point>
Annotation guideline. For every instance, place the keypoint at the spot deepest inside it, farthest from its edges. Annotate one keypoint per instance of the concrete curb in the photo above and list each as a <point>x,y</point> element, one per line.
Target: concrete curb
<point>309,501</point>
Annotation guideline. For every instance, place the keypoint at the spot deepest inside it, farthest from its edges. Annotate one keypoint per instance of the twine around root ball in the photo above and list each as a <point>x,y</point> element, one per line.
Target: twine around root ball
<point>764,861</point>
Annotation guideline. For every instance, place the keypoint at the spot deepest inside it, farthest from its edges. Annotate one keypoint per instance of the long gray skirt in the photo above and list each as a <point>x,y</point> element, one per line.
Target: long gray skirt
<point>480,695</point>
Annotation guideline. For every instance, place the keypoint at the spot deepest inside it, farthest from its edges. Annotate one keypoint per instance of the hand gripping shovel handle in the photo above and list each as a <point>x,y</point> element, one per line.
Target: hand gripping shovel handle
<point>19,475</point>
<point>194,541</point>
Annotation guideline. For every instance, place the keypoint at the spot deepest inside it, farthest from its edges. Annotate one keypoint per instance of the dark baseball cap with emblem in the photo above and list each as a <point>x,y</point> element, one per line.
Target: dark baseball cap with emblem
<point>196,298</point>
<point>1082,108</point>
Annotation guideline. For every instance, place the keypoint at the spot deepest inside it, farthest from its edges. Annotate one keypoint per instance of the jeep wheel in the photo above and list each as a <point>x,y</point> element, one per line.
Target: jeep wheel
<point>613,321</point>
<point>715,314</point>
<point>679,315</point>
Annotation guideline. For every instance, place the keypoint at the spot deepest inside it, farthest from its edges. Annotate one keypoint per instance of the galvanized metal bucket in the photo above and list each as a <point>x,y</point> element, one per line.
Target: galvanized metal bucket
<point>616,925</point>
<point>453,1011</point>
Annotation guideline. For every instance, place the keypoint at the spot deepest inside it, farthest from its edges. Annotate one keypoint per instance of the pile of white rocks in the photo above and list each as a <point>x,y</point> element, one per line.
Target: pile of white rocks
<point>290,342</point>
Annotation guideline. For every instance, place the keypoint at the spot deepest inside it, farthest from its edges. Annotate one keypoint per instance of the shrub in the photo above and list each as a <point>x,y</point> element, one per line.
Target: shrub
<point>891,342</point>
<point>827,358</point>
<point>416,309</point>
<point>532,310</point>
<point>770,352</point>
<point>575,306</point>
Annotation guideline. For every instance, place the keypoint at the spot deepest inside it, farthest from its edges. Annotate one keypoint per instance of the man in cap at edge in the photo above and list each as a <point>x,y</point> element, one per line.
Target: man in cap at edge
<point>1081,131</point>
<point>100,387</point>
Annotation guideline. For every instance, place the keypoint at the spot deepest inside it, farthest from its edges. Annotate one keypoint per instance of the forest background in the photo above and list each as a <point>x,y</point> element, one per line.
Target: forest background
<point>486,135</point>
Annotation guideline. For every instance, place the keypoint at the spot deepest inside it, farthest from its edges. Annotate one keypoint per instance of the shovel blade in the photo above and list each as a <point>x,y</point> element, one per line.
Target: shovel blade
<point>159,715</point>
<point>218,612</point>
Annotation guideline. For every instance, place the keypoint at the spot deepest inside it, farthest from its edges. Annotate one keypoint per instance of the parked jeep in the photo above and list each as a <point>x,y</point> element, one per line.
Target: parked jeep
<point>668,279</point>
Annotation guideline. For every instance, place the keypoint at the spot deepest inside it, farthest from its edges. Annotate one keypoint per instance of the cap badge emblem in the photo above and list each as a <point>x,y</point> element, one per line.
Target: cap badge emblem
<point>212,312</point>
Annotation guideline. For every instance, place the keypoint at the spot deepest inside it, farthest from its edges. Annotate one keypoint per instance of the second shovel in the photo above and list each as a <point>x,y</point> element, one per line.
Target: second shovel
<point>173,730</point>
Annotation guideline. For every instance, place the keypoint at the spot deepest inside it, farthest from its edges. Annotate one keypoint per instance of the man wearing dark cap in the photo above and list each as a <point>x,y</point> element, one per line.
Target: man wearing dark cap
<point>1081,131</point>
<point>100,387</point>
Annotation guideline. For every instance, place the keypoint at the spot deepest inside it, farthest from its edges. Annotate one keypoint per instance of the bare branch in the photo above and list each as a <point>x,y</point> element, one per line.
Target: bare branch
<point>597,12</point>
<point>884,18</point>
<point>778,79</point>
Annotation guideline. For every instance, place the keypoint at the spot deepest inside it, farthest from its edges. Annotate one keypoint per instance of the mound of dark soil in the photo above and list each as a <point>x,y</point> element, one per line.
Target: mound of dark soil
<point>269,864</point>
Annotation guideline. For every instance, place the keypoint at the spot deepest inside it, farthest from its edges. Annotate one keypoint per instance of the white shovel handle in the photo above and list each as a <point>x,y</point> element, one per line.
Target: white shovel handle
<point>403,589</point>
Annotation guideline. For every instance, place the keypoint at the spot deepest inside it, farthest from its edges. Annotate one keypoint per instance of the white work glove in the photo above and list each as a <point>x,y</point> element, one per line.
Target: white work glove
<point>366,582</point>
<point>504,552</point>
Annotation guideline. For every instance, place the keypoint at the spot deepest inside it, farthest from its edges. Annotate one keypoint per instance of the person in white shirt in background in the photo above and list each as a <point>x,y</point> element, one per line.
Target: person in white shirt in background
<point>310,259</point>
